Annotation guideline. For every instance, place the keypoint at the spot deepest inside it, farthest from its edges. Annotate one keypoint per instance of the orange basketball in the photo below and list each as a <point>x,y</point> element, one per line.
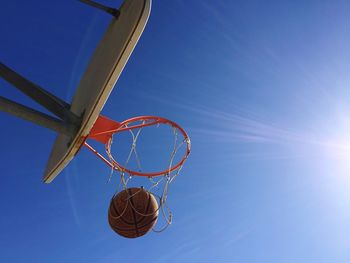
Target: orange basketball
<point>133,212</point>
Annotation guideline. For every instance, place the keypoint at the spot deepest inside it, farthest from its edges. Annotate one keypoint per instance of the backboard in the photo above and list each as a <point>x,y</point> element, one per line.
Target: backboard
<point>99,79</point>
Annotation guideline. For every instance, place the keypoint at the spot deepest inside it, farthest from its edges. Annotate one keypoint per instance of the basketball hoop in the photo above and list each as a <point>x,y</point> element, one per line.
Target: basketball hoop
<point>159,181</point>
<point>104,129</point>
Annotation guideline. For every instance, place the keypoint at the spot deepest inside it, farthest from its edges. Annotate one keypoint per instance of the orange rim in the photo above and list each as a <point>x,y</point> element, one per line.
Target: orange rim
<point>154,121</point>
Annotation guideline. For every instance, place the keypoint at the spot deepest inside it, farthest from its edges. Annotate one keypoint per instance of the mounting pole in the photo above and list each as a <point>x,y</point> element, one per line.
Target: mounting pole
<point>52,103</point>
<point>66,123</point>
<point>113,11</point>
<point>36,117</point>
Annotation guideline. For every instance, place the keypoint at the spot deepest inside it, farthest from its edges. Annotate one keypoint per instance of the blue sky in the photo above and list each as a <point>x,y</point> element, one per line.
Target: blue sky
<point>262,87</point>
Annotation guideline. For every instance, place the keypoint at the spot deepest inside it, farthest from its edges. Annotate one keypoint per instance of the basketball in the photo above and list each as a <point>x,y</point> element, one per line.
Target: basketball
<point>133,212</point>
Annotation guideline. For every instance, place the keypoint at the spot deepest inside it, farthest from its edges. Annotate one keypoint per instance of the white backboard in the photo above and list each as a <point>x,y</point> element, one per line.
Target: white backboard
<point>99,79</point>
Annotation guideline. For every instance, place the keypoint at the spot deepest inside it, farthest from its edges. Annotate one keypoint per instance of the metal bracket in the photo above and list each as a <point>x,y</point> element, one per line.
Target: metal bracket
<point>112,11</point>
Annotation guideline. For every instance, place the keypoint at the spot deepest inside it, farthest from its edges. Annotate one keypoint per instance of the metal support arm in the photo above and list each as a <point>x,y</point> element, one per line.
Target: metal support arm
<point>36,117</point>
<point>113,11</point>
<point>52,103</point>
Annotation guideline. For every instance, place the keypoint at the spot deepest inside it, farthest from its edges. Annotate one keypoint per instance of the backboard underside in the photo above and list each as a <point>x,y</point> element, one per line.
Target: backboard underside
<point>99,79</point>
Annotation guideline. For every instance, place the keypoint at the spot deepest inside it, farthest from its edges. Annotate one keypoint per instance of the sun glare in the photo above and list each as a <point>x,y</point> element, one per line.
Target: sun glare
<point>333,144</point>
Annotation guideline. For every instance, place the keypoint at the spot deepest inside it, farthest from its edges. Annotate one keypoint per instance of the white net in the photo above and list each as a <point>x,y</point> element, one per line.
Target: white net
<point>135,171</point>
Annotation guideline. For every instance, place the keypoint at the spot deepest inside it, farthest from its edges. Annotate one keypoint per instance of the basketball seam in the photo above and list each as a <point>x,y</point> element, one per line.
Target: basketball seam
<point>133,213</point>
<point>146,212</point>
<point>150,222</point>
<point>121,216</point>
<point>144,215</point>
<point>128,230</point>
